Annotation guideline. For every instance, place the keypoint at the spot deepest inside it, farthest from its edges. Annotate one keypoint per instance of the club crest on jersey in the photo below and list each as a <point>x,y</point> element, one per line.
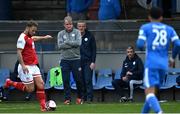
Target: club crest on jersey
<point>64,36</point>
<point>79,69</point>
<point>73,35</point>
<point>134,63</point>
<point>126,65</point>
<point>86,39</point>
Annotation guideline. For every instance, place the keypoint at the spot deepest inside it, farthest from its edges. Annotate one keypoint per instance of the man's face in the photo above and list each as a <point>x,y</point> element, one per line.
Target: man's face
<point>32,30</point>
<point>130,53</point>
<point>68,25</point>
<point>81,27</point>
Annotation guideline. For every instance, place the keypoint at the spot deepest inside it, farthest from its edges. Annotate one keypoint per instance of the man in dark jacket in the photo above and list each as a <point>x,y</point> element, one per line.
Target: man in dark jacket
<point>132,71</point>
<point>88,57</point>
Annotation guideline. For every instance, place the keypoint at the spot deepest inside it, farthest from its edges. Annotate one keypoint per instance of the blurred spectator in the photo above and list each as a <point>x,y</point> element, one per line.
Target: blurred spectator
<point>108,10</point>
<point>166,5</point>
<point>5,10</point>
<point>78,9</point>
<point>93,10</point>
<point>147,4</point>
<point>167,8</point>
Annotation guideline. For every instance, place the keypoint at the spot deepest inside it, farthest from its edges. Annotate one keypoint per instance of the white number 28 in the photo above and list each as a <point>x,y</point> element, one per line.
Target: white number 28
<point>160,39</point>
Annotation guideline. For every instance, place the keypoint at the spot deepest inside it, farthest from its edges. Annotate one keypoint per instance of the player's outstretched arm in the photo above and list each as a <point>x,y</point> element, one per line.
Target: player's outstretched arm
<point>37,38</point>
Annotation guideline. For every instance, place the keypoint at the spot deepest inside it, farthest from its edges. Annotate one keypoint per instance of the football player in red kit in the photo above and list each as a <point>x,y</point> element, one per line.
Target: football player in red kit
<point>28,71</point>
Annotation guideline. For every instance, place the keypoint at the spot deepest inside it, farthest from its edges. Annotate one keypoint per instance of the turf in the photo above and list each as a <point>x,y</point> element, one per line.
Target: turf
<point>33,107</point>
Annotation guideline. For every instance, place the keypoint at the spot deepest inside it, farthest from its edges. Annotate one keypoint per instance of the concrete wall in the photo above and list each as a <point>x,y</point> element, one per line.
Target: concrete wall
<point>125,33</point>
<point>48,60</point>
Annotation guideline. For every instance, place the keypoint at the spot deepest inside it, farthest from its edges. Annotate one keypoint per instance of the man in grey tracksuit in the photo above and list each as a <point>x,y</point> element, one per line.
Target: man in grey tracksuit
<point>69,42</point>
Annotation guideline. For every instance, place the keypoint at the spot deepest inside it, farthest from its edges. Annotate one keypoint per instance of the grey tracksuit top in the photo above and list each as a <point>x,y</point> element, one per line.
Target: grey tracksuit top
<point>69,44</point>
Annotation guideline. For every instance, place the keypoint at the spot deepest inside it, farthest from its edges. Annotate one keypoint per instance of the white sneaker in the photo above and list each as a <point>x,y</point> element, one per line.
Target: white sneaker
<point>123,99</point>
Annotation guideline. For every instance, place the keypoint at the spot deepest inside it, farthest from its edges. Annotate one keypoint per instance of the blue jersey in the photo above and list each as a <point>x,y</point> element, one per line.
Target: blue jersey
<point>157,37</point>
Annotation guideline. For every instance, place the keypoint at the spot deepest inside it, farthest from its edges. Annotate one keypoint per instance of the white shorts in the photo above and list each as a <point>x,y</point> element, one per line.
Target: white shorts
<point>28,78</point>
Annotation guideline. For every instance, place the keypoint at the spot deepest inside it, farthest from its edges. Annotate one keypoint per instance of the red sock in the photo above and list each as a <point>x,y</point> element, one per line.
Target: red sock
<point>19,85</point>
<point>40,95</point>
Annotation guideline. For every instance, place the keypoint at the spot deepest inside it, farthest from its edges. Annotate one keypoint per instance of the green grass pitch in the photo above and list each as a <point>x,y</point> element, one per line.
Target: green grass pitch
<point>33,107</point>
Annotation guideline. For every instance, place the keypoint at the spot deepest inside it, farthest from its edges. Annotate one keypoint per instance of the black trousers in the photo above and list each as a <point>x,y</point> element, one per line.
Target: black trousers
<point>119,86</point>
<point>73,66</point>
<point>87,80</point>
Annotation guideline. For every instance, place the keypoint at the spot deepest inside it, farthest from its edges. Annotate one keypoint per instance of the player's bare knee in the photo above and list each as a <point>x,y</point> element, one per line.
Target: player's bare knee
<point>40,85</point>
<point>150,90</point>
<point>30,88</point>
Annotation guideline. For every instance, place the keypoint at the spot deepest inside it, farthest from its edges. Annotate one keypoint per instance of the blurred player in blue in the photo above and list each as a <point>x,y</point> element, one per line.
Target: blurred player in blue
<point>157,37</point>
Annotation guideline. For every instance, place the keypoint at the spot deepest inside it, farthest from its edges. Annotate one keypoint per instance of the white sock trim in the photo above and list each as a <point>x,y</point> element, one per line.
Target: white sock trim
<point>149,95</point>
<point>160,112</point>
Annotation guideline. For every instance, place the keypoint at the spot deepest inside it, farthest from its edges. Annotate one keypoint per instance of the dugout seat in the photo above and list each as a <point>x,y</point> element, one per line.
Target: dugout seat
<point>170,82</point>
<point>104,79</point>
<point>118,73</point>
<point>72,82</point>
<point>174,71</point>
<point>4,74</point>
<point>61,87</point>
<point>47,83</point>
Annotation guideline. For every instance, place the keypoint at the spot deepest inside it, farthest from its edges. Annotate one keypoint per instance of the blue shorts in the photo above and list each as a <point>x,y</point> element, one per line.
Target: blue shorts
<point>153,77</point>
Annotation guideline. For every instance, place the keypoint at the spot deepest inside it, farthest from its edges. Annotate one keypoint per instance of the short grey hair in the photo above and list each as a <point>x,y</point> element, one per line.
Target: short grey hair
<point>68,19</point>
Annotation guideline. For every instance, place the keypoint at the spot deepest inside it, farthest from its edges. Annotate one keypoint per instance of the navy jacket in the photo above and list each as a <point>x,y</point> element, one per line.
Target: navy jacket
<point>88,47</point>
<point>135,65</point>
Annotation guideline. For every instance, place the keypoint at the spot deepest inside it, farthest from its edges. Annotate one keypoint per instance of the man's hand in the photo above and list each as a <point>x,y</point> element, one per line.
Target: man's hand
<point>25,69</point>
<point>37,38</point>
<point>48,36</point>
<point>66,41</point>
<point>92,66</point>
<point>125,78</point>
<point>171,62</point>
<point>129,73</point>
